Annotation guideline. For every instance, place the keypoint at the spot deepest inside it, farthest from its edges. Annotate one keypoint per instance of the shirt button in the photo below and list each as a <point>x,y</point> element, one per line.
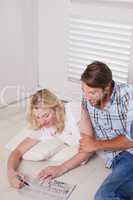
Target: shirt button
<point>113,129</point>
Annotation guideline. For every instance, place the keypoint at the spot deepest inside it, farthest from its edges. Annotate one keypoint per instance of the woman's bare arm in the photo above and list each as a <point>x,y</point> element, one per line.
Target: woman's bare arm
<point>15,158</point>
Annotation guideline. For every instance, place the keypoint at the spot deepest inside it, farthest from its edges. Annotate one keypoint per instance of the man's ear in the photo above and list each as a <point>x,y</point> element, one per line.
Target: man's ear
<point>107,89</point>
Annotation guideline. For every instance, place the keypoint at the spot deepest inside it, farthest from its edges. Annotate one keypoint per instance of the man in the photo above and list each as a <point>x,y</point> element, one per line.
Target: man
<point>106,125</point>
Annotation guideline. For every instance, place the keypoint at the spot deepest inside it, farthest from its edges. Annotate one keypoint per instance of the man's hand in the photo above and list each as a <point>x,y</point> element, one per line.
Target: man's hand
<point>87,144</point>
<point>50,172</point>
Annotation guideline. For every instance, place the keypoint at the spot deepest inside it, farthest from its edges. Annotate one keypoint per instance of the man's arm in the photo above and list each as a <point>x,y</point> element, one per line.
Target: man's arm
<point>89,144</point>
<point>118,143</point>
<point>86,128</point>
<point>85,123</point>
<point>76,160</point>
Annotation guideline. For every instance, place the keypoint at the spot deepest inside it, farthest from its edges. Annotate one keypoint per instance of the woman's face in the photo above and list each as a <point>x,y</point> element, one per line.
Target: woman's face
<point>45,117</point>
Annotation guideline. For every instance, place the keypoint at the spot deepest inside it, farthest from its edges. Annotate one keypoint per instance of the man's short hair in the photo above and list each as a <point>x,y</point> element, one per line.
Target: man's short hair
<point>97,75</point>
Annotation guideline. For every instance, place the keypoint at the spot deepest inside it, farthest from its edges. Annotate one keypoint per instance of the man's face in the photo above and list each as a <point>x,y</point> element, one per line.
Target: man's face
<point>93,95</point>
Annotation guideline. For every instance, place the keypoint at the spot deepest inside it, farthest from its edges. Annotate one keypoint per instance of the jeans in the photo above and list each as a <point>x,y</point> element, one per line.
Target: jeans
<point>119,184</point>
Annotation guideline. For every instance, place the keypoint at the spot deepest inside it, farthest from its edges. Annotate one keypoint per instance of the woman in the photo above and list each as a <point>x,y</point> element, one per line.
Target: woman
<point>47,116</point>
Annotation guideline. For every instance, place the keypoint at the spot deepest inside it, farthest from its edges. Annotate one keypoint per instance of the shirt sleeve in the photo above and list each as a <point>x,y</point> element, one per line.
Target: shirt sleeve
<point>129,121</point>
<point>43,134</point>
<point>71,133</point>
<point>36,135</point>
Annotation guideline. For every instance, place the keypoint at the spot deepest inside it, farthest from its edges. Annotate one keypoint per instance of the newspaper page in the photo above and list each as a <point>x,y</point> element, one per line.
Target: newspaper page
<point>49,190</point>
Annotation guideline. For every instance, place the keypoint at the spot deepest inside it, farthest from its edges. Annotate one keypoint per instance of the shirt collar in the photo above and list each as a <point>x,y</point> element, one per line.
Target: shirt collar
<point>113,95</point>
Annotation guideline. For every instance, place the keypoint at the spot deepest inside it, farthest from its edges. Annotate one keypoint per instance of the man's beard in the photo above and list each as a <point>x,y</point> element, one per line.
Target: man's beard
<point>104,97</point>
<point>99,102</point>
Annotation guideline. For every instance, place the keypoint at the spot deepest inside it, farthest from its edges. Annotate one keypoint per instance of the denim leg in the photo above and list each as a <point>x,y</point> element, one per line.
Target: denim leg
<point>127,189</point>
<point>112,187</point>
<point>107,191</point>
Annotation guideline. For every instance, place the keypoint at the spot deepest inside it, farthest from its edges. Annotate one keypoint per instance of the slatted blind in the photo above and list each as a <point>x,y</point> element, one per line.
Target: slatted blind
<point>114,1</point>
<point>90,40</point>
<point>130,1</point>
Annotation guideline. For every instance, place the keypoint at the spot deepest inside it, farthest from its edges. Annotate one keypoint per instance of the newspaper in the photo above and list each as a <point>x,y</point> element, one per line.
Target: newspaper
<point>48,190</point>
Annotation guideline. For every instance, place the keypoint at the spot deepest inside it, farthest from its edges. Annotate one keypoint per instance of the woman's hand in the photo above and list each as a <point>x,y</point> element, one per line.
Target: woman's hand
<point>50,172</point>
<point>16,179</point>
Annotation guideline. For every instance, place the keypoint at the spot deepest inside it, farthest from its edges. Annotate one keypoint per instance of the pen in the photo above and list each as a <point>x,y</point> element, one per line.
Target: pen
<point>26,183</point>
<point>19,177</point>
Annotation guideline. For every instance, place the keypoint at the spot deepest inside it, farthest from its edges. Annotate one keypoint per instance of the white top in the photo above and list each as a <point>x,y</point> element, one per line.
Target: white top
<point>70,134</point>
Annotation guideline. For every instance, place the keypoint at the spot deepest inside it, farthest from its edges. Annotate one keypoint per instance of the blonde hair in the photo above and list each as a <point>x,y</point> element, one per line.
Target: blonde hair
<point>49,101</point>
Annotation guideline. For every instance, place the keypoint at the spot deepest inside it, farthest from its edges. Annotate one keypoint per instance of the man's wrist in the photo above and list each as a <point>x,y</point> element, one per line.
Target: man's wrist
<point>63,168</point>
<point>98,145</point>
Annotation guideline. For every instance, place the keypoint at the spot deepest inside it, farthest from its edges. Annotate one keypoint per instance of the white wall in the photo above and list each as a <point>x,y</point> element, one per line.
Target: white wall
<point>51,44</point>
<point>18,48</point>
<point>52,47</point>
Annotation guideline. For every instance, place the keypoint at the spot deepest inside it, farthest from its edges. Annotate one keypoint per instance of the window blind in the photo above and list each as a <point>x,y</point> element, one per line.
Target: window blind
<point>90,40</point>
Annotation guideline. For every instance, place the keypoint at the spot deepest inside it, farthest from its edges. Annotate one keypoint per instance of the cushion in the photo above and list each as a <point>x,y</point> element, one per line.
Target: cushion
<point>44,150</point>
